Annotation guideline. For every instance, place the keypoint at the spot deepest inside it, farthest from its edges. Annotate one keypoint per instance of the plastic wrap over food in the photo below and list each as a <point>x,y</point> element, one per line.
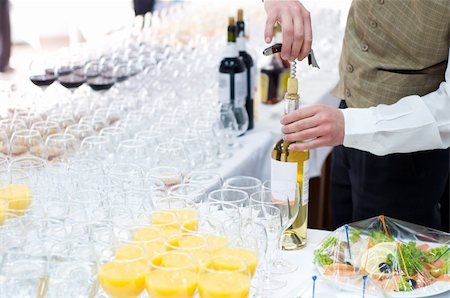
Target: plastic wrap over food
<point>400,259</point>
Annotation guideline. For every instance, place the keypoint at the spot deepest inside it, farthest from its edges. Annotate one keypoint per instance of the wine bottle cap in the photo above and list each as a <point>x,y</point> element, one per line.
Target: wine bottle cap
<point>231,21</point>
<point>240,15</point>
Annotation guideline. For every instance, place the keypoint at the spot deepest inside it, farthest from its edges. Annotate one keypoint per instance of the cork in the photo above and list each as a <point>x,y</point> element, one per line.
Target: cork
<point>292,89</point>
<point>231,21</point>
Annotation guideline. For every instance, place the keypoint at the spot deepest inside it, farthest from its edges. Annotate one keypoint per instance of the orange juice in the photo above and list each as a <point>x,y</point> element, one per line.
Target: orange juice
<point>173,274</point>
<point>248,256</point>
<point>188,218</point>
<point>18,196</point>
<point>3,208</point>
<point>191,241</point>
<point>216,243</point>
<point>165,219</point>
<point>224,284</point>
<point>123,279</point>
<point>149,238</point>
<point>128,252</point>
<point>171,283</point>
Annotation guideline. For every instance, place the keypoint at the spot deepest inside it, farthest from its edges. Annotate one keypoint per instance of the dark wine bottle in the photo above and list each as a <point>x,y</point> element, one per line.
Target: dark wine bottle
<point>249,65</point>
<point>232,86</point>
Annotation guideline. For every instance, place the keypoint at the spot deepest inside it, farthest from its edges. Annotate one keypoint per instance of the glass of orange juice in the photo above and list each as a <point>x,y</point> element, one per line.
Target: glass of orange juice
<point>224,276</point>
<point>148,237</point>
<point>122,271</point>
<point>172,274</point>
<point>194,244</point>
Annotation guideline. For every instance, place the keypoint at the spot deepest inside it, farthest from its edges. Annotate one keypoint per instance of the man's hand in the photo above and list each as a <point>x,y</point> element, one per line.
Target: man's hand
<point>296,25</point>
<point>313,126</point>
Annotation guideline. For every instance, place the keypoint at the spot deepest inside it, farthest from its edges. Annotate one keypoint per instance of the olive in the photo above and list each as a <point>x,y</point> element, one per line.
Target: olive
<point>384,267</point>
<point>412,283</point>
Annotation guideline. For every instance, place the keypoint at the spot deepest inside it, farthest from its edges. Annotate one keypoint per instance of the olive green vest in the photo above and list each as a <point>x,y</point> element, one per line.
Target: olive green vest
<point>392,49</point>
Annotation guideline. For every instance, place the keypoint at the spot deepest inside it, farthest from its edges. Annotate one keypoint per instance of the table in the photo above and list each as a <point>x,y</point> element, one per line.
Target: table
<point>300,281</point>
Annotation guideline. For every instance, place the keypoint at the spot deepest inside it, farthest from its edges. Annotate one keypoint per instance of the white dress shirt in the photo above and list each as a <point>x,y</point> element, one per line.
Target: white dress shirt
<point>414,123</point>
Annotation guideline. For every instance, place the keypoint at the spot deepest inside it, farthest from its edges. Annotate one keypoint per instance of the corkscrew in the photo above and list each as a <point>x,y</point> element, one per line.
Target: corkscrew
<point>294,69</point>
<point>276,48</point>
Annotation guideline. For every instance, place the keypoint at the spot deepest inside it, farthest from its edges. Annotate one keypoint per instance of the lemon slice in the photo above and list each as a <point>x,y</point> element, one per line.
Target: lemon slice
<point>373,257</point>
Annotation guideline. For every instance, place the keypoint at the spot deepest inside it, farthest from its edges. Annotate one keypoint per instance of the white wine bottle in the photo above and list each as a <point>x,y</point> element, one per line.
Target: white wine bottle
<point>293,166</point>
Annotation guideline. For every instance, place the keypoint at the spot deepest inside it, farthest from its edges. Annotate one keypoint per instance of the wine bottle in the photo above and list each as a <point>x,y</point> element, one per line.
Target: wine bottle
<point>249,65</point>
<point>293,166</point>
<point>274,75</point>
<point>232,86</point>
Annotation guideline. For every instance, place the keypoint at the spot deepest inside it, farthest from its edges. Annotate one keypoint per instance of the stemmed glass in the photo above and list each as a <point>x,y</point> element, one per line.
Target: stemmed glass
<point>60,147</point>
<point>270,217</point>
<point>226,130</point>
<point>224,275</point>
<point>288,211</point>
<point>42,74</point>
<point>26,142</point>
<point>245,183</point>
<point>166,276</point>
<point>122,270</point>
<point>193,192</point>
<point>209,180</point>
<point>172,155</point>
<point>46,128</point>
<point>169,175</point>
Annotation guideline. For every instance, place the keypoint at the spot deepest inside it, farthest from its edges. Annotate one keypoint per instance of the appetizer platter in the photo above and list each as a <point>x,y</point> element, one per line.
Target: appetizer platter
<point>401,259</point>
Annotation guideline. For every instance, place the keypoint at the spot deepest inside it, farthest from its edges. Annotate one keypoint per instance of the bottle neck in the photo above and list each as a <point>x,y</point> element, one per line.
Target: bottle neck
<point>240,42</point>
<point>231,50</point>
<point>291,105</point>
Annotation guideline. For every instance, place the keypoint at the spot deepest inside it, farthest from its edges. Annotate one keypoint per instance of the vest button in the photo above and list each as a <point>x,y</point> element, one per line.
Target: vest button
<point>348,93</point>
<point>373,24</point>
<point>381,1</point>
<point>364,47</point>
<point>349,68</point>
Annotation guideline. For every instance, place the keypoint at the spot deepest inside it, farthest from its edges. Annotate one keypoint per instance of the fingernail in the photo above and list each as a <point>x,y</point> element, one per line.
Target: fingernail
<point>267,39</point>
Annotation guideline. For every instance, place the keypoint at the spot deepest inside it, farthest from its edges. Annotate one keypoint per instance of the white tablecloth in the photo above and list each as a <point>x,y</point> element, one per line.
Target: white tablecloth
<point>300,281</point>
<point>253,159</point>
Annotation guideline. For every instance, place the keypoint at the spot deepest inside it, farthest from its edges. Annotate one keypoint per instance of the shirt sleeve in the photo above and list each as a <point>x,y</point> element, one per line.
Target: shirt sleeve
<point>414,123</point>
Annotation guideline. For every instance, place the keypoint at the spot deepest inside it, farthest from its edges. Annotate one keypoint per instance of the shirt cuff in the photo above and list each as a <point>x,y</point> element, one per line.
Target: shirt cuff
<point>359,127</point>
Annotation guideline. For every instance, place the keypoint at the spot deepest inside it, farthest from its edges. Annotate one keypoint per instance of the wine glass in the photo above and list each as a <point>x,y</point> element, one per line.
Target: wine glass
<point>46,128</point>
<point>122,270</point>
<point>42,74</point>
<point>169,175</point>
<point>26,142</point>
<point>226,130</point>
<point>289,210</point>
<point>224,275</point>
<point>270,217</point>
<point>172,272</point>
<point>80,131</point>
<point>60,147</point>
<point>209,180</point>
<point>172,155</point>
<point>195,193</point>
<point>245,183</point>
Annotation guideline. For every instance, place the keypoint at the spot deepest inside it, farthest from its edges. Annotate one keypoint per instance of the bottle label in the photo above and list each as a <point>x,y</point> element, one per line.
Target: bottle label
<point>224,88</point>
<point>305,183</point>
<point>240,88</point>
<point>264,86</point>
<point>282,84</point>
<point>284,177</point>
